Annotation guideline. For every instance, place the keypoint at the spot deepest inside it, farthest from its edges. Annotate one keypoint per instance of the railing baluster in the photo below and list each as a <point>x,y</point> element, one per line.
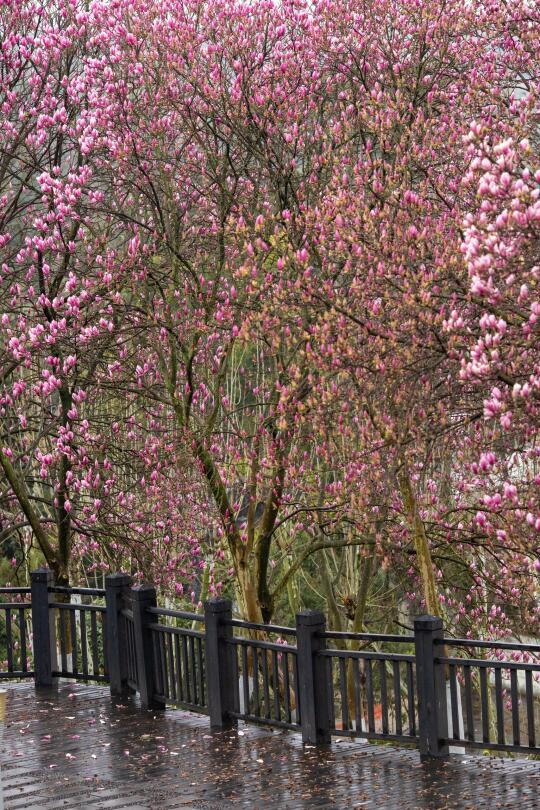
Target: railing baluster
<point>343,694</point>
<point>84,648</point>
<point>530,708</point>
<point>22,640</point>
<point>410,700</point>
<point>186,668</point>
<point>200,672</point>
<point>384,696</point>
<point>134,661</point>
<point>499,705</point>
<point>245,678</point>
<point>286,686</point>
<point>355,663</point>
<point>105,646</point>
<point>295,688</point>
<point>369,696</point>
<point>256,703</point>
<point>9,640</point>
<point>178,670</point>
<point>275,680</point>
<point>235,650</point>
<point>172,678</point>
<point>158,671</point>
<point>94,641</point>
<point>124,630</point>
<point>469,703</point>
<point>484,703</point>
<point>515,706</point>
<point>454,701</point>
<point>266,684</point>
<point>331,709</point>
<point>397,697</point>
<point>73,630</point>
<point>130,655</point>
<point>130,651</point>
<point>63,651</point>
<point>164,665</point>
<point>158,663</point>
<point>193,671</point>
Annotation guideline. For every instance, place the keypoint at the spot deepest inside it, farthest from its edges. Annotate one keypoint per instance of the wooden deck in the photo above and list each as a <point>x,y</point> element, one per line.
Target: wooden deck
<point>74,748</point>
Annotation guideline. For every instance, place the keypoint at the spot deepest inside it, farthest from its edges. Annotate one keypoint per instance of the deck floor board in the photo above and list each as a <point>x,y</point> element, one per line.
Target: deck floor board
<point>73,747</point>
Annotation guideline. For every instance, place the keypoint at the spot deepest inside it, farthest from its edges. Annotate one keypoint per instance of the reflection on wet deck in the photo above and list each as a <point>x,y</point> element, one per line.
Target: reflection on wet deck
<point>75,748</point>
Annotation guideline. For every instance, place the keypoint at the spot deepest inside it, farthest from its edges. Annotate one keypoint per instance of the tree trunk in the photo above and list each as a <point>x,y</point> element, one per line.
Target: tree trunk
<point>421,544</point>
<point>358,624</point>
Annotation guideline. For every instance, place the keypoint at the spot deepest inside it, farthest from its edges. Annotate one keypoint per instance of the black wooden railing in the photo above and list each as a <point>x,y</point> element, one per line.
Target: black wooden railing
<point>82,634</point>
<point>506,718</point>
<point>264,674</point>
<point>15,628</point>
<point>178,656</point>
<point>424,689</point>
<point>375,693</point>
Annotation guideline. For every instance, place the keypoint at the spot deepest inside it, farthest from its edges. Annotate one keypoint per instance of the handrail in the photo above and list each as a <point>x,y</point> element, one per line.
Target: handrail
<point>77,606</point>
<point>367,636</point>
<point>261,645</point>
<point>178,631</point>
<point>15,605</point>
<point>79,591</point>
<point>267,628</point>
<point>175,614</point>
<point>498,645</point>
<point>488,663</point>
<point>371,656</point>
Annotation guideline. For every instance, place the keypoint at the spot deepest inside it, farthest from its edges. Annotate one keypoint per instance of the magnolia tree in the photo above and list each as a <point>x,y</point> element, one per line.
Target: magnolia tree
<point>72,478</point>
<point>499,343</point>
<point>240,337</point>
<point>43,239</point>
<point>385,253</point>
<point>501,246</point>
<point>203,186</point>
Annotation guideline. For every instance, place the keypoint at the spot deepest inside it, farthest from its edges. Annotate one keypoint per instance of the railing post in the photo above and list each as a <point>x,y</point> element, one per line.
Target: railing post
<point>220,682</point>
<point>143,597</point>
<point>115,584</point>
<point>43,627</point>
<point>431,689</point>
<point>313,685</point>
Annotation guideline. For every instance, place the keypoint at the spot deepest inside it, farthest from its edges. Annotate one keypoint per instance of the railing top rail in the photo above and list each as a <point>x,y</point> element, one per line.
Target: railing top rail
<point>15,605</point>
<point>80,591</point>
<point>176,614</point>
<point>367,636</point>
<point>488,663</point>
<point>261,645</point>
<point>268,628</point>
<point>77,606</point>
<point>175,631</point>
<point>498,645</point>
<point>366,655</point>
<point>15,589</point>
